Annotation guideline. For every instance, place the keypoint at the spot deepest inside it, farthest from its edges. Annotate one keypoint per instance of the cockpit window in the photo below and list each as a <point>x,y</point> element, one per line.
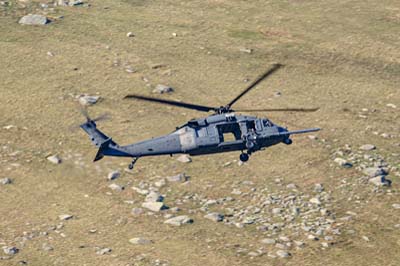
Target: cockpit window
<point>267,123</point>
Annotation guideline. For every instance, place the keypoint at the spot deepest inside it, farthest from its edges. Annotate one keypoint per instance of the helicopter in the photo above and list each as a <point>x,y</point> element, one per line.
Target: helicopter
<point>222,131</point>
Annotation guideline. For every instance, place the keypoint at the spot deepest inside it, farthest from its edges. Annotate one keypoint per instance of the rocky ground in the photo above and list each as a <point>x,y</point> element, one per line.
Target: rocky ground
<point>331,198</point>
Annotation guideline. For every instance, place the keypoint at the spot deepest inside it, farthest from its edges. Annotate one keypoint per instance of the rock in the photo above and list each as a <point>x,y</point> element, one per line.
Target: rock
<point>130,69</point>
<point>374,171</point>
<point>5,181</point>
<point>396,206</point>
<point>113,175</point>
<point>315,201</point>
<point>140,241</point>
<point>177,178</point>
<point>367,147</point>
<point>65,217</point>
<point>163,89</point>
<point>141,191</point>
<point>291,186</point>
<point>88,100</point>
<point>318,188</point>
<point>284,239</point>
<point>75,2</point>
<point>130,34</point>
<point>47,247</point>
<point>380,181</point>
<point>246,50</point>
<point>214,216</point>
<point>276,211</point>
<point>268,241</point>
<point>154,206</point>
<point>10,250</point>
<point>137,211</point>
<point>366,238</point>
<point>342,162</point>
<point>283,254</point>
<point>184,158</point>
<point>33,19</point>
<point>179,220</point>
<point>154,197</point>
<point>116,187</point>
<point>55,159</point>
<point>299,244</point>
<point>391,105</point>
<point>103,251</point>
<point>160,183</point>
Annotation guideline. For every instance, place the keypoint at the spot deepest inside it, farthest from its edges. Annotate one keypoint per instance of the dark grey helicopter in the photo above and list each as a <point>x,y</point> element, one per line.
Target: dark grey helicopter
<point>223,131</point>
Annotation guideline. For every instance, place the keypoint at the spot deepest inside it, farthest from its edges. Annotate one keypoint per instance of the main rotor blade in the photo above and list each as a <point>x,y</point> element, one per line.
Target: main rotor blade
<point>279,110</point>
<point>170,102</point>
<point>258,80</point>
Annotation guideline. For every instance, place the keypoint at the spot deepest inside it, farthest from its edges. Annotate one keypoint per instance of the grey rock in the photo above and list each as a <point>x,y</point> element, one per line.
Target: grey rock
<point>315,201</point>
<point>154,206</point>
<point>214,216</point>
<point>75,2</point>
<point>318,188</point>
<point>154,197</point>
<point>367,147</point>
<point>299,244</point>
<point>33,19</point>
<point>161,89</point>
<point>116,187</point>
<point>160,183</point>
<point>47,247</point>
<point>130,34</point>
<point>55,159</point>
<point>177,178</point>
<point>246,50</point>
<point>5,181</point>
<point>65,217</point>
<point>184,158</point>
<point>103,251</point>
<point>343,163</point>
<point>277,211</point>
<point>268,241</point>
<point>179,220</point>
<point>140,241</point>
<point>10,250</point>
<point>283,254</point>
<point>380,181</point>
<point>113,175</point>
<point>374,171</point>
<point>88,100</point>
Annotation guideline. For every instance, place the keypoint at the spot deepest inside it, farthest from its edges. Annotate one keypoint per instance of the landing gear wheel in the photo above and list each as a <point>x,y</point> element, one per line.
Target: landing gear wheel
<point>130,166</point>
<point>244,157</point>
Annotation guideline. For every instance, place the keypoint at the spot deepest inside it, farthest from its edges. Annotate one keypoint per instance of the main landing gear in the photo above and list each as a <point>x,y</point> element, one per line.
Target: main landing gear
<point>132,164</point>
<point>244,157</point>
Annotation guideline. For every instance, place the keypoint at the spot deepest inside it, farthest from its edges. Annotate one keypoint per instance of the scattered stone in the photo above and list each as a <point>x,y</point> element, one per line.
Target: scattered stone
<point>65,217</point>
<point>140,241</point>
<point>103,251</point>
<point>130,69</point>
<point>276,211</point>
<point>184,158</point>
<point>113,175</point>
<point>137,211</point>
<point>283,254</point>
<point>47,247</point>
<point>367,147</point>
<point>312,137</point>
<point>160,183</point>
<point>10,250</point>
<point>5,181</point>
<point>396,206</point>
<point>154,197</point>
<point>315,201</point>
<point>214,216</point>
<point>160,88</point>
<point>154,206</point>
<point>366,238</point>
<point>299,244</point>
<point>50,54</point>
<point>342,162</point>
<point>33,19</point>
<point>179,220</point>
<point>391,105</point>
<point>55,159</point>
<point>268,241</point>
<point>380,181</point>
<point>88,100</point>
<point>116,187</point>
<point>246,50</point>
<point>141,191</point>
<point>374,171</point>
<point>75,2</point>
<point>178,178</point>
<point>318,188</point>
<point>130,34</point>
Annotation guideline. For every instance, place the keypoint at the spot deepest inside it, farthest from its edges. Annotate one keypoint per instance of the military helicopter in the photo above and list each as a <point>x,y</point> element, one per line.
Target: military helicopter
<point>206,135</point>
